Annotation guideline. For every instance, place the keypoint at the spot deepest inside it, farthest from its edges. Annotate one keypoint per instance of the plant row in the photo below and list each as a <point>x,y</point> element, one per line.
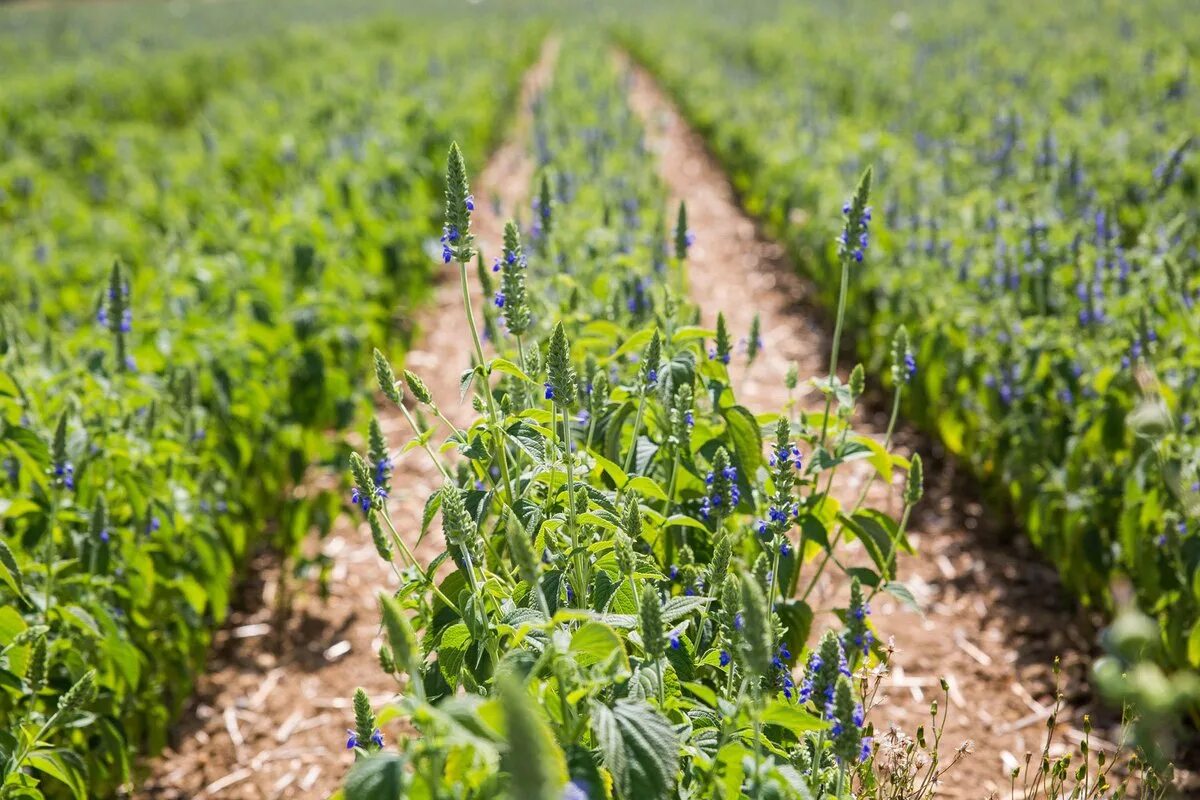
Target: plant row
<point>1038,235</point>
<point>183,314</point>
<point>617,611</point>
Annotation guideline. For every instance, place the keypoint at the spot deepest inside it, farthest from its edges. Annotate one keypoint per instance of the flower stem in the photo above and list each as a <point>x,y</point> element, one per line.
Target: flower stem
<point>837,343</point>
<point>493,415</point>
<point>581,576</point>
<point>408,554</point>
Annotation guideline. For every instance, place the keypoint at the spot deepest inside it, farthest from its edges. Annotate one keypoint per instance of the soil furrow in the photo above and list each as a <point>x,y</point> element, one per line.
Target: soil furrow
<point>994,616</point>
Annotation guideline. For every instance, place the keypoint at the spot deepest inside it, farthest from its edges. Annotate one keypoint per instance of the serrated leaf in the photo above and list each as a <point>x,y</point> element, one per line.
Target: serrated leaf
<point>452,649</point>
<point>680,607</point>
<point>639,748</point>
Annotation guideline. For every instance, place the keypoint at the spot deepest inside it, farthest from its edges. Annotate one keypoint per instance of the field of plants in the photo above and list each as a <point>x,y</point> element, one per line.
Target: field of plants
<point>519,399</point>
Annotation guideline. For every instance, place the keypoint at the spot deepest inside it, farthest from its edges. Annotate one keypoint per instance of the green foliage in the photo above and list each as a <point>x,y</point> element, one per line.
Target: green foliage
<point>1030,250</point>
<point>200,244</point>
<point>613,606</point>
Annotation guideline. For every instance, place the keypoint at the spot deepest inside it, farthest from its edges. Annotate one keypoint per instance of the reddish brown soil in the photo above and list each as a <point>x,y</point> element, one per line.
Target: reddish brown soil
<point>270,715</point>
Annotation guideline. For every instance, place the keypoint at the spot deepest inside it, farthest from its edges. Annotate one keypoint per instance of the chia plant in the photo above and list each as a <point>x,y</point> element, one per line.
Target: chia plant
<point>603,567</point>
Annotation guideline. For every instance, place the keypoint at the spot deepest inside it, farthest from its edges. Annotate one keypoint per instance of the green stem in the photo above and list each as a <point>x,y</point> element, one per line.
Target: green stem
<point>493,414</point>
<point>837,343</point>
<point>408,554</point>
<point>670,543</point>
<point>890,564</point>
<point>578,556</point>
<point>437,462</point>
<point>757,751</point>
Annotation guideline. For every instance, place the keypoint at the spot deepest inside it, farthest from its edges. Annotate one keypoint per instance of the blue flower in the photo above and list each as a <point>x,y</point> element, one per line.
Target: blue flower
<point>496,265</point>
<point>725,658</point>
<point>65,472</point>
<point>738,621</point>
<point>652,376</point>
<point>499,300</point>
<point>153,524</point>
<point>377,738</point>
<point>470,202</point>
<point>351,739</point>
<point>785,548</point>
<point>857,716</point>
<point>689,418</point>
<point>446,254</point>
<point>383,468</point>
<point>865,753</point>
<point>674,640</point>
<point>549,390</point>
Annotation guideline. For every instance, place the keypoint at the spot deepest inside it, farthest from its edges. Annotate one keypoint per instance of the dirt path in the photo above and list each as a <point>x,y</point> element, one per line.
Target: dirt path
<point>269,717</point>
<point>995,617</point>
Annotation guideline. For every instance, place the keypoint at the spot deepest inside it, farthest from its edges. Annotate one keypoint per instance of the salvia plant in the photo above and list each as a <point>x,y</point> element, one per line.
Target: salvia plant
<point>622,608</point>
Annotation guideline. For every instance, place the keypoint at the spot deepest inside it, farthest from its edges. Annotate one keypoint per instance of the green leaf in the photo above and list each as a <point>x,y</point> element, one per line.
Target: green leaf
<point>1193,646</point>
<point>55,764</point>
<point>593,643</point>
<point>797,617</point>
<point>452,649</point>
<point>19,507</point>
<point>509,368</point>
<point>639,748</point>
<point>746,437</point>
<point>432,504</point>
<point>680,607</point>
<point>879,534</point>
<point>688,333</point>
<point>377,777</point>
<point>792,717</point>
<point>633,344</point>
<point>902,593</point>
<point>10,573</point>
<point>880,459</point>
<point>646,486</point>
